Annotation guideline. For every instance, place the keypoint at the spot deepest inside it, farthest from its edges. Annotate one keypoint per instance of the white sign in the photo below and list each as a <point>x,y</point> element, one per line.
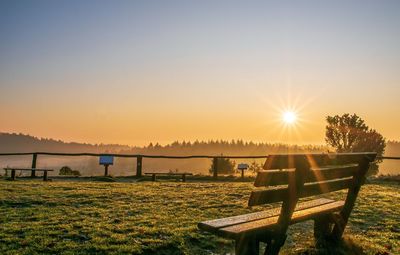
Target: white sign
<point>106,160</point>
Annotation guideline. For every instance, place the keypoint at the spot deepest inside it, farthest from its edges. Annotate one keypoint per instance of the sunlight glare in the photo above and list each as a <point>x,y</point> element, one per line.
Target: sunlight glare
<point>289,117</point>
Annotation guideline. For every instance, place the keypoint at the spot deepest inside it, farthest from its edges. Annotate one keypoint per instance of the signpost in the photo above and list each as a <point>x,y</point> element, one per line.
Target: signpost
<point>106,161</point>
<point>243,167</point>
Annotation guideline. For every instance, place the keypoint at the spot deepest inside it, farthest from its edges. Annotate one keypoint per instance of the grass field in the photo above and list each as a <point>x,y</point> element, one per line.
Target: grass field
<point>160,218</point>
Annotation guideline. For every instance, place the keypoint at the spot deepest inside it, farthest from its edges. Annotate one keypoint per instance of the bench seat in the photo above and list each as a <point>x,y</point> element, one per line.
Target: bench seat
<point>254,223</point>
<point>32,170</point>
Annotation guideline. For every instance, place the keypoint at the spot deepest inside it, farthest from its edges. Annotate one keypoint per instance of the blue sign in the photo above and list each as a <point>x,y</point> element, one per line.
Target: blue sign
<point>106,160</point>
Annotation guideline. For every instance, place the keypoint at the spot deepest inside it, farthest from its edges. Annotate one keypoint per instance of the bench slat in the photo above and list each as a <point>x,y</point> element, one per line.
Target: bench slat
<point>273,177</point>
<point>260,197</point>
<point>282,161</point>
<point>327,173</point>
<point>214,225</point>
<point>258,226</point>
<point>281,177</point>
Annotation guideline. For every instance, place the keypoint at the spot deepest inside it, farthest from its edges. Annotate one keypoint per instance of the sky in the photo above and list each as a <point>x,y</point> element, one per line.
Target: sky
<point>134,72</point>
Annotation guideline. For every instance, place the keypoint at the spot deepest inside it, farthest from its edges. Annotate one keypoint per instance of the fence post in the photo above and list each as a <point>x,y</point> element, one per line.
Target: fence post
<point>34,158</point>
<point>139,166</point>
<point>215,168</point>
<point>106,170</point>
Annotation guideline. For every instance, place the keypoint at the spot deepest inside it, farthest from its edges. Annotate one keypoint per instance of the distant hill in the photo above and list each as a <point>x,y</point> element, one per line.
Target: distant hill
<point>26,143</point>
<point>13,142</point>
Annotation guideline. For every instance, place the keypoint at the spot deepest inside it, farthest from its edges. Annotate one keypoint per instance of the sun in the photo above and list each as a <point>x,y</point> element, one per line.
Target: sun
<point>289,117</point>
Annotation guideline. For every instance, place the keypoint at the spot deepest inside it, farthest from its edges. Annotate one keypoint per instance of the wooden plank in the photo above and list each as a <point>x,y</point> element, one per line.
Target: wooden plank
<point>272,177</point>
<point>281,177</point>
<point>214,225</point>
<point>34,159</point>
<point>139,161</point>
<point>130,155</point>
<point>258,226</point>
<point>274,195</point>
<point>27,169</point>
<point>317,188</point>
<point>259,197</point>
<point>287,161</point>
<point>328,173</point>
<point>215,167</point>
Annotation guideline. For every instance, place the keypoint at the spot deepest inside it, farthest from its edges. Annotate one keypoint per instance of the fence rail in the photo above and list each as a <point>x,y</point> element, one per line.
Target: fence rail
<point>126,155</point>
<point>139,158</point>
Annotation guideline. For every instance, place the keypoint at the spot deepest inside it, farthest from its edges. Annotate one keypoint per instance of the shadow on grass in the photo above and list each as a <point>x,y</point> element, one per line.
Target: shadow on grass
<point>346,246</point>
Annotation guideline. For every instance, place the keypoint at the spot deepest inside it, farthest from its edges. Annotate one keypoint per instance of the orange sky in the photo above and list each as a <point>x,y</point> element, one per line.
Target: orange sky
<point>134,73</point>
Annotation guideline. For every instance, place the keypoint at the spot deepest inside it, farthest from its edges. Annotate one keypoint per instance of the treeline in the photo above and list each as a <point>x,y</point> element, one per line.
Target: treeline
<point>25,143</point>
<point>221,147</point>
<point>127,166</point>
<point>393,148</point>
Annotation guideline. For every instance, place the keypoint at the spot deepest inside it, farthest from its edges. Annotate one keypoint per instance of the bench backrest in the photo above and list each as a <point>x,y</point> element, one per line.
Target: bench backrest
<point>307,175</point>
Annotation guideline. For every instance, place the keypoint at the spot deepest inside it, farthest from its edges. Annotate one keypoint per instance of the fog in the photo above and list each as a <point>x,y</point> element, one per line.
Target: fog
<point>89,165</point>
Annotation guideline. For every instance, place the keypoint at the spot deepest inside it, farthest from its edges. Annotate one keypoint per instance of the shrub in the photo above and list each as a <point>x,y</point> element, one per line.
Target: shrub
<point>66,170</point>
<point>225,166</point>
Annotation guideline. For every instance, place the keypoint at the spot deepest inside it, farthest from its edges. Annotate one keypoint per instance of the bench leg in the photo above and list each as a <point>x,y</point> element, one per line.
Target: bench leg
<point>322,229</point>
<point>183,177</point>
<point>153,177</point>
<point>274,246</point>
<point>13,175</point>
<point>247,246</point>
<point>340,225</point>
<point>45,176</point>
<point>33,173</point>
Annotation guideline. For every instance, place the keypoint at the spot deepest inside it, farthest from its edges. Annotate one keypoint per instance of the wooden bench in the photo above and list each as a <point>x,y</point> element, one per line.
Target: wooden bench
<point>32,170</point>
<point>286,179</point>
<point>153,175</point>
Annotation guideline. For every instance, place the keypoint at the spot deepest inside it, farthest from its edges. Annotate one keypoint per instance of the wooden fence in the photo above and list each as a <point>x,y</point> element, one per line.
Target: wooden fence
<point>140,157</point>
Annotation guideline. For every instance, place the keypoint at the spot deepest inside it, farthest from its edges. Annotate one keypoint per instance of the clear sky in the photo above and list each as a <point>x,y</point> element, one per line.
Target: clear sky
<point>133,72</point>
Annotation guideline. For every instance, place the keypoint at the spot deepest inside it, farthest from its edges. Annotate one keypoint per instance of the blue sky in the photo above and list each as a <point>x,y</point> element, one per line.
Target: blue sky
<point>140,71</point>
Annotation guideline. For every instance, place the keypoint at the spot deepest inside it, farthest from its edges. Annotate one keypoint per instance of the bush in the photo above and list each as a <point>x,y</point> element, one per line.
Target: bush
<point>225,166</point>
<point>66,170</point>
<point>255,167</point>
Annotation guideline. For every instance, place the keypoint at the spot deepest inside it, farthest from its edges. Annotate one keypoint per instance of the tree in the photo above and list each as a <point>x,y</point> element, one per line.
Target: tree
<point>225,166</point>
<point>255,167</point>
<point>349,133</point>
